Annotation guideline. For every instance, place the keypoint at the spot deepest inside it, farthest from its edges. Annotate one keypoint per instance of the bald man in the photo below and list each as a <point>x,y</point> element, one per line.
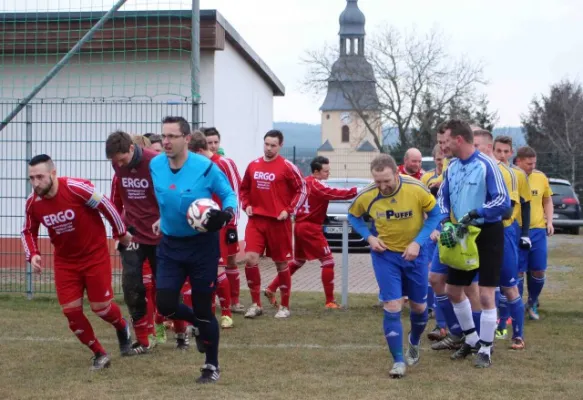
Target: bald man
<point>412,164</point>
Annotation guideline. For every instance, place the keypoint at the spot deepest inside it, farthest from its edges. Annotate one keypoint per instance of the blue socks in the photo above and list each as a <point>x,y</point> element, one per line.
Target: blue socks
<point>516,309</point>
<point>503,312</point>
<point>418,323</point>
<point>521,286</point>
<point>394,334</point>
<point>449,315</point>
<point>430,298</point>
<point>439,317</point>
<point>476,315</point>
<point>535,287</point>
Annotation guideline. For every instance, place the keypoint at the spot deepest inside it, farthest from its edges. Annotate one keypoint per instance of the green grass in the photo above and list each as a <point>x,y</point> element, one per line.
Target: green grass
<point>316,354</point>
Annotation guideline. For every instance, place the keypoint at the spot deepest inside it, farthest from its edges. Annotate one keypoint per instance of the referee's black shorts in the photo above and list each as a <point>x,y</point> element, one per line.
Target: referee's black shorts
<point>490,244</point>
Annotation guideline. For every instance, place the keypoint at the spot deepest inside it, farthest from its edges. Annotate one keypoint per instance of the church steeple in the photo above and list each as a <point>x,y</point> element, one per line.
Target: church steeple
<point>351,84</point>
<point>352,33</point>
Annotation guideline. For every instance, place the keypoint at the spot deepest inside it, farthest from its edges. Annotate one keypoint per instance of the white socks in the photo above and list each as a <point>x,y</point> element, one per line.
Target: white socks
<point>463,312</point>
<point>487,329</point>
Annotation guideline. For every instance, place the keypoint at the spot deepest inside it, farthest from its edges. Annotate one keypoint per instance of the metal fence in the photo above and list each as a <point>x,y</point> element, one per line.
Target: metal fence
<point>73,133</point>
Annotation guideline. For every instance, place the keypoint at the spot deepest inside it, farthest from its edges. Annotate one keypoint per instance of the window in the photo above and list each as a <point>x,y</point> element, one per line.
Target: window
<point>345,134</point>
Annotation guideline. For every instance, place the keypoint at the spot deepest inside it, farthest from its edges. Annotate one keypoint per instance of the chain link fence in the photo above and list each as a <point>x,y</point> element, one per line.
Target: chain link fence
<point>73,134</point>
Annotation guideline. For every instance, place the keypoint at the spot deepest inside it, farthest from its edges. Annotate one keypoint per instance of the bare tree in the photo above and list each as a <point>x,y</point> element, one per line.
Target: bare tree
<point>555,123</point>
<point>408,69</point>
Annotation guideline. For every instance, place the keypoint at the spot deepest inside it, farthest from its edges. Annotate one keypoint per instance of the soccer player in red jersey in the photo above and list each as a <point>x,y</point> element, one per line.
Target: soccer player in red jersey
<point>228,166</point>
<point>70,210</point>
<point>310,243</point>
<point>133,184</point>
<point>412,164</point>
<point>272,191</point>
<point>198,144</point>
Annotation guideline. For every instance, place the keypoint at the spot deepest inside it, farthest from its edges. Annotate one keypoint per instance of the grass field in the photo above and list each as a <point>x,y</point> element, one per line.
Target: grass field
<point>314,355</point>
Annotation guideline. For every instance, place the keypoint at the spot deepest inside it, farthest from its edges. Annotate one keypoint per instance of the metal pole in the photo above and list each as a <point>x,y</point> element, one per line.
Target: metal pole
<point>28,188</point>
<point>195,64</point>
<point>345,263</point>
<point>55,70</point>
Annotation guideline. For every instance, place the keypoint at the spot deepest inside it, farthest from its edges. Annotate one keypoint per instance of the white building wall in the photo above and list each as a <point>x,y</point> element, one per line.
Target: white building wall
<point>237,101</point>
<point>243,110</point>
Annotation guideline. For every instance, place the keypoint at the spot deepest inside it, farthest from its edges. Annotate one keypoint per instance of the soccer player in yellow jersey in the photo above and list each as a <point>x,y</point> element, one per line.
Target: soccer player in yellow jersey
<point>483,141</point>
<point>396,205</point>
<point>534,261</point>
<point>429,178</point>
<point>503,151</point>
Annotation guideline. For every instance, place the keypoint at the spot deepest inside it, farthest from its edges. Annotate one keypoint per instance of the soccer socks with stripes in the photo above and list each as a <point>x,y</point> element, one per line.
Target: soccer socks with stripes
<point>394,334</point>
<point>293,266</point>
<point>503,312</point>
<point>254,282</point>
<point>224,293</point>
<point>488,328</point>
<point>285,286</point>
<point>476,316</point>
<point>327,276</point>
<point>112,314</point>
<point>463,312</point>
<point>234,282</point>
<point>418,323</point>
<point>449,315</point>
<point>535,287</point>
<point>81,327</point>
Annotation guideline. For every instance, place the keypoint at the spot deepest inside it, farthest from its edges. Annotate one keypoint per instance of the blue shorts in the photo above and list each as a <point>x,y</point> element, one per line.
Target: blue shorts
<point>537,256</point>
<point>509,270</point>
<point>195,257</point>
<point>395,275</point>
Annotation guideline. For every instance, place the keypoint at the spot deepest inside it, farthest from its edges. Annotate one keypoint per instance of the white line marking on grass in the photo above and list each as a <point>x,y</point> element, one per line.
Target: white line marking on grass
<point>305,346</point>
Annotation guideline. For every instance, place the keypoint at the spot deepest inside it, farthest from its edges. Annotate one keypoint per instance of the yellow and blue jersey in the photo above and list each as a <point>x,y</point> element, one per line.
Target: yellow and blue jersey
<point>524,193</point>
<point>540,190</point>
<point>512,186</point>
<point>397,218</point>
<point>430,177</point>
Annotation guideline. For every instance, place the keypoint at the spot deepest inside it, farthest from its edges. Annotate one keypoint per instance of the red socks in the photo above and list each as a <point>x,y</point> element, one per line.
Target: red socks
<point>81,327</point>
<point>254,282</point>
<point>285,286</point>
<point>293,266</point>
<point>328,280</point>
<point>112,314</point>
<point>234,283</point>
<point>151,306</point>
<point>224,293</point>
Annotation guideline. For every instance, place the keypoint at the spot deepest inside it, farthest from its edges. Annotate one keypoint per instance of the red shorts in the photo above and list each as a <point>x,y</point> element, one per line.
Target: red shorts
<point>310,242</point>
<point>71,280</point>
<point>269,235</point>
<point>227,249</point>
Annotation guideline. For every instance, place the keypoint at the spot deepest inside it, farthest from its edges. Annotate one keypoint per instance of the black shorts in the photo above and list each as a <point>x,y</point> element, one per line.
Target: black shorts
<point>490,244</point>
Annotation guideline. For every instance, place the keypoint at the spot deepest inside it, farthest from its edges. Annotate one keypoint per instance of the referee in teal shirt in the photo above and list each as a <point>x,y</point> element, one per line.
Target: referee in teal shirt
<point>181,177</point>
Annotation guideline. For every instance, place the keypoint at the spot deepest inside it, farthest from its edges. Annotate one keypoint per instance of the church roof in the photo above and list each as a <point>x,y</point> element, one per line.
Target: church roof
<point>366,146</point>
<point>326,146</point>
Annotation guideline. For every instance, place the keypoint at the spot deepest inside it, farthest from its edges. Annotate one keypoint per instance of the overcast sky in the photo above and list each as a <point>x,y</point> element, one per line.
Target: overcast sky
<point>525,45</point>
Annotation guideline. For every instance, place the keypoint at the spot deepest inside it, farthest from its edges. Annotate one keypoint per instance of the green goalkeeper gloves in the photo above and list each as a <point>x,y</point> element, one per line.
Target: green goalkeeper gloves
<point>448,235</point>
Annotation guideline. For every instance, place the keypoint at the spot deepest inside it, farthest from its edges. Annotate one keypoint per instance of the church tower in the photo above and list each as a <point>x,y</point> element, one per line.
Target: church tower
<point>351,88</point>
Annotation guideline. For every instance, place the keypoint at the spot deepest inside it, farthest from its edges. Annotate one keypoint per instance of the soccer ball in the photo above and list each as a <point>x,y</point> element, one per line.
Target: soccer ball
<point>198,213</point>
